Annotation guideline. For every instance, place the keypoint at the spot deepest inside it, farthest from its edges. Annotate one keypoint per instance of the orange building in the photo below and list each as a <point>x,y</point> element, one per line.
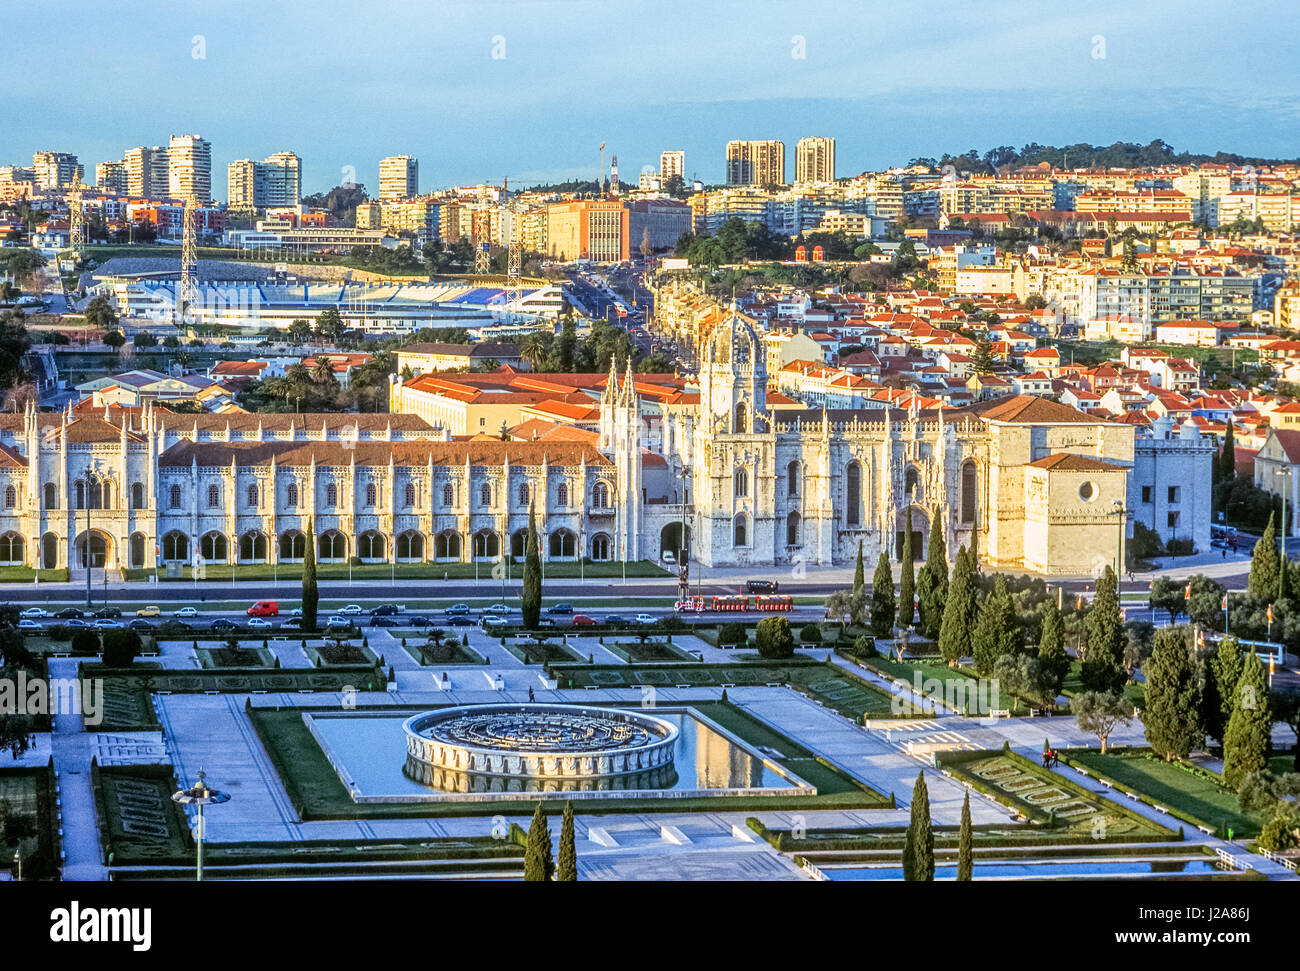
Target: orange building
<point>589,229</point>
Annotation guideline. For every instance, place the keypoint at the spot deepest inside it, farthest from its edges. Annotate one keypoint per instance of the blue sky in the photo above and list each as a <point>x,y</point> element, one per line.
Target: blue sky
<point>346,83</point>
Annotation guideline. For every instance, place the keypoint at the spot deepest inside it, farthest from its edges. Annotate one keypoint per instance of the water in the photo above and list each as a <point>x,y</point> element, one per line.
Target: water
<point>1028,870</point>
<point>371,749</point>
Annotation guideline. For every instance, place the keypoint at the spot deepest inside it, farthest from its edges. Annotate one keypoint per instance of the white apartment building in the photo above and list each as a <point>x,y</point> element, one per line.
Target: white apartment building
<point>756,162</point>
<point>399,177</point>
<point>672,163</point>
<point>189,168</point>
<point>55,170</point>
<point>111,177</point>
<point>814,160</point>
<point>146,172</point>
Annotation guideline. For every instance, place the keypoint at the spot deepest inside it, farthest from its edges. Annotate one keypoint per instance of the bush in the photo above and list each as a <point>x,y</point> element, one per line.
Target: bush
<point>120,648</point>
<point>865,646</point>
<point>732,634</point>
<point>811,634</point>
<point>774,637</point>
<point>1180,547</point>
<point>85,642</point>
<point>672,622</point>
<point>58,632</point>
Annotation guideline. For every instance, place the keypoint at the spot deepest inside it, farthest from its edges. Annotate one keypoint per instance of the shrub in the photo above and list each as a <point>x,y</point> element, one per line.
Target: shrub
<point>58,632</point>
<point>85,642</point>
<point>774,637</point>
<point>811,634</point>
<point>731,634</point>
<point>1180,547</point>
<point>672,622</point>
<point>864,646</point>
<point>120,648</point>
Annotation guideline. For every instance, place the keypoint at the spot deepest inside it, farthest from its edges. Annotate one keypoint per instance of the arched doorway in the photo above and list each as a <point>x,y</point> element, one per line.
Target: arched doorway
<point>98,553</point>
<point>293,546</point>
<point>562,545</point>
<point>487,545</point>
<point>213,547</point>
<point>670,542</point>
<point>175,546</point>
<point>12,550</point>
<point>138,547</point>
<point>253,547</point>
<point>446,547</point>
<point>410,547</point>
<point>912,517</point>
<point>371,546</point>
<point>519,543</point>
<point>332,547</point>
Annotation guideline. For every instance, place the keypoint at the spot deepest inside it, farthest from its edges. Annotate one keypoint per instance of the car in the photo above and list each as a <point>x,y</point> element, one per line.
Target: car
<point>110,612</point>
<point>492,620</point>
<point>221,623</point>
<point>615,620</point>
<point>417,621</point>
<point>460,622</point>
<point>186,612</point>
<point>457,610</point>
<point>79,625</point>
<point>667,556</point>
<point>172,624</point>
<point>35,613</point>
<point>293,623</point>
<point>583,620</point>
<point>384,622</point>
<point>500,609</point>
<point>351,610</point>
<point>105,623</point>
<point>337,621</point>
<point>28,625</point>
<point>258,622</point>
<point>296,612</point>
<point>264,608</point>
<point>383,610</point>
<point>150,611</point>
<point>140,624</point>
<point>760,586</point>
<point>560,609</point>
<point>645,619</point>
<point>68,612</point>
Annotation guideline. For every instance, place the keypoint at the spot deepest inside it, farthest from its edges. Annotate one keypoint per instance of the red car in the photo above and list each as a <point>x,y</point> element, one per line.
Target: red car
<point>582,620</point>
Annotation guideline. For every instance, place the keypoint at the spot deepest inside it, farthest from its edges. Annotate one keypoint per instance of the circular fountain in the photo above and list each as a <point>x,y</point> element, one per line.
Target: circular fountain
<point>539,748</point>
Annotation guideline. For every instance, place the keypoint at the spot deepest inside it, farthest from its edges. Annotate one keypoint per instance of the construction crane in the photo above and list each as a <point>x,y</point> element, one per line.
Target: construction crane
<point>482,247</point>
<point>76,218</point>
<point>514,263</point>
<point>188,292</point>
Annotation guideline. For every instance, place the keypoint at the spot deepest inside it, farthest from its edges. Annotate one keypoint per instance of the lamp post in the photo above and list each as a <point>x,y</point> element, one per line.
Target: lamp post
<point>1120,514</point>
<point>1283,472</point>
<point>18,864</point>
<point>89,479</point>
<point>200,795</point>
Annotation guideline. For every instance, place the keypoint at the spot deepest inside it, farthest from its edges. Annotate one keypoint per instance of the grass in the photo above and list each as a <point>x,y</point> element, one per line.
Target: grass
<point>531,652</point>
<point>404,571</point>
<point>639,652</point>
<point>235,657</point>
<point>448,652</point>
<point>138,821</point>
<point>956,683</point>
<point>26,574</point>
<point>1134,693</point>
<point>1168,784</point>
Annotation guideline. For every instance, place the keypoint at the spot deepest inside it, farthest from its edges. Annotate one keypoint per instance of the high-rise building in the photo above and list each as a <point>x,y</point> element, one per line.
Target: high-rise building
<point>399,177</point>
<point>189,168</point>
<point>274,181</point>
<point>111,177</point>
<point>54,170</point>
<point>588,229</point>
<point>756,163</point>
<point>146,172</point>
<point>672,163</point>
<point>814,160</point>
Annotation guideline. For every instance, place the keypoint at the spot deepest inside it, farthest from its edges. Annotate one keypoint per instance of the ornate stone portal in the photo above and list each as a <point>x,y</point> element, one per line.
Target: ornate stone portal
<point>534,747</point>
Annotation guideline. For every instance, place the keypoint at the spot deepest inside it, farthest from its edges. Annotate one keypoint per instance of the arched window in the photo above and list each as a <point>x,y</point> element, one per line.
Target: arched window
<point>523,494</point>
<point>792,479</point>
<point>600,496</point>
<point>447,494</point>
<point>173,497</point>
<point>968,492</point>
<point>49,551</point>
<point>562,495</point>
<point>333,545</point>
<point>487,545</point>
<point>485,495</point>
<point>214,497</point>
<point>176,546</point>
<point>740,532</point>
<point>293,545</point>
<point>742,416</point>
<point>11,497</point>
<point>370,545</point>
<point>446,546</point>
<point>291,495</point>
<point>519,543</point>
<point>372,494</point>
<point>137,495</point>
<point>252,548</point>
<point>79,491</point>
<point>11,549</point>
<point>410,546</point>
<point>138,546</point>
<point>252,497</point>
<point>95,498</point>
<point>742,483</point>
<point>792,533</point>
<point>331,495</point>
<point>911,481</point>
<point>600,547</point>
<point>853,494</point>
<point>408,495</point>
<point>212,547</point>
<point>51,496</point>
<point>562,544</point>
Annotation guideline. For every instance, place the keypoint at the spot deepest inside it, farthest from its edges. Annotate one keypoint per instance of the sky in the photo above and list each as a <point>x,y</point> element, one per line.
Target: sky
<point>528,89</point>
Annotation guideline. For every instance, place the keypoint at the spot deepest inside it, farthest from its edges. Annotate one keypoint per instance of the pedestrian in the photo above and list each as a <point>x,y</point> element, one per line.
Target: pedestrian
<point>1225,552</point>
<point>531,697</point>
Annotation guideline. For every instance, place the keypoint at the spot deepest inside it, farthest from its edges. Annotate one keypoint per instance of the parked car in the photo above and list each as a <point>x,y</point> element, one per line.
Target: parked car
<point>615,620</point>
<point>492,620</point>
<point>68,612</point>
<point>139,624</point>
<point>296,612</point>
<point>338,621</point>
<point>293,623</point>
<point>459,622</point>
<point>457,610</point>
<point>383,610</point>
<point>384,622</point>
<point>264,608</point>
<point>418,620</point>
<point>351,610</point>
<point>105,623</point>
<point>582,620</point>
<point>259,622</point>
<point>221,623</point>
<point>186,612</point>
<point>112,612</point>
<point>35,613</point>
<point>28,625</point>
<point>500,609</point>
<point>560,609</point>
<point>150,611</point>
<point>646,619</point>
<point>79,625</point>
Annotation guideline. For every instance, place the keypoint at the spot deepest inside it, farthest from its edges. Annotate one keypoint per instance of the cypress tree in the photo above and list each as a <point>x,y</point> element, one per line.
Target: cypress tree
<point>531,595</point>
<point>538,864</point>
<point>958,612</point>
<point>1265,565</point>
<point>1171,718</point>
<point>568,866</point>
<point>997,632</point>
<point>932,582</point>
<point>883,604</point>
<point>907,582</point>
<point>1221,676</point>
<point>965,842</point>
<point>1246,740</point>
<point>973,551</point>
<point>310,593</point>
<point>1052,659</point>
<point>920,836</point>
<point>1227,470</point>
<point>859,574</point>
<point>1103,670</point>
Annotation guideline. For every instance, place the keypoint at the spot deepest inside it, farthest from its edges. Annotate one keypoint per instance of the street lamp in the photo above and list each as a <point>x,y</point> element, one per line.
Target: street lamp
<point>1283,472</point>
<point>18,863</point>
<point>88,479</point>
<point>200,795</point>
<point>1120,514</point>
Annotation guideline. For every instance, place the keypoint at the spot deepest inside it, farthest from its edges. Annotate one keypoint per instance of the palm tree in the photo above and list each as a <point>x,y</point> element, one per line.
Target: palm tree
<point>534,348</point>
<point>322,371</point>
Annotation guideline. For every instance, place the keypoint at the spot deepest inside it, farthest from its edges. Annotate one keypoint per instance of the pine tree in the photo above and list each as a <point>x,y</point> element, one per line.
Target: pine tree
<point>1246,740</point>
<point>859,574</point>
<point>972,550</point>
<point>1171,717</point>
<point>531,595</point>
<point>958,612</point>
<point>907,582</point>
<point>1054,662</point>
<point>965,842</point>
<point>932,582</point>
<point>883,604</point>
<point>920,836</point>
<point>310,593</point>
<point>1103,670</point>
<point>567,870</point>
<point>1227,469</point>
<point>538,864</point>
<point>1222,674</point>
<point>1265,566</point>
<point>997,632</point>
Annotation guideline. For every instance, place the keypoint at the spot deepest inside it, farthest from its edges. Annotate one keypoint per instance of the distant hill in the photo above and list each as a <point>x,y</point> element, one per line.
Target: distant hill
<point>1082,155</point>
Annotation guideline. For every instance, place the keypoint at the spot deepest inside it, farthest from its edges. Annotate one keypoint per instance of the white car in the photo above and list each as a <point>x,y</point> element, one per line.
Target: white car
<point>105,624</point>
<point>351,610</point>
<point>646,619</point>
<point>258,622</point>
<point>492,620</point>
<point>337,622</point>
<point>186,612</point>
<point>28,625</point>
<point>35,613</point>
<point>497,609</point>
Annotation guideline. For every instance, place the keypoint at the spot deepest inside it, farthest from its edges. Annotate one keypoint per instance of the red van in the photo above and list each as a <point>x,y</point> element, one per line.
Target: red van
<point>264,608</point>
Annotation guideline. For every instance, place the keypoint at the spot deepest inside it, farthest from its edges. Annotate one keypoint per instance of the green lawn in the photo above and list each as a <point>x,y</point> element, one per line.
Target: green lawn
<point>954,683</point>
<point>1134,693</point>
<point>401,571</point>
<point>1168,785</point>
<point>25,574</point>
